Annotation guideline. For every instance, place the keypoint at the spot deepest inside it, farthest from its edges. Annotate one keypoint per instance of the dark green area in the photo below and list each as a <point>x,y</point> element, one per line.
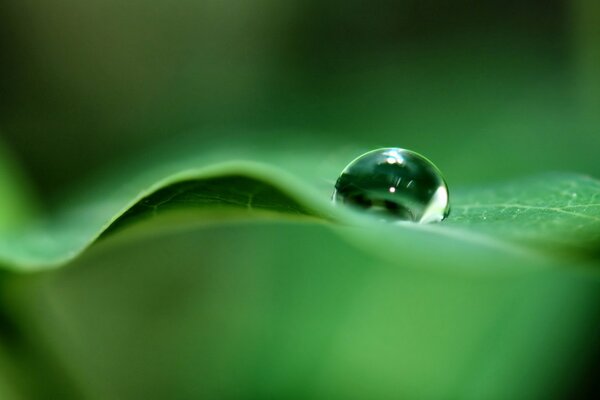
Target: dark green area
<point>488,90</point>
<point>226,193</point>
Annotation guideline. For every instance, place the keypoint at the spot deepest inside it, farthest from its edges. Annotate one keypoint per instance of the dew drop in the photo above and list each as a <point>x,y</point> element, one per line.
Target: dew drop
<point>394,184</point>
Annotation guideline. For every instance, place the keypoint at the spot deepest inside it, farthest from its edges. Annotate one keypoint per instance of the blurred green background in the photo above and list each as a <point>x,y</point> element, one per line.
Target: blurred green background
<point>512,85</point>
<point>488,90</point>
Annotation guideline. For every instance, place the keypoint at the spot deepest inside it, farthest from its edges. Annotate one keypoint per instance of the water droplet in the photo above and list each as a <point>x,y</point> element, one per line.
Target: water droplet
<point>394,184</point>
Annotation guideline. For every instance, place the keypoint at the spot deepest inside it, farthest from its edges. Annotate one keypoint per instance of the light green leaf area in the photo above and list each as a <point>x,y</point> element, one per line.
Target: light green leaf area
<point>555,213</point>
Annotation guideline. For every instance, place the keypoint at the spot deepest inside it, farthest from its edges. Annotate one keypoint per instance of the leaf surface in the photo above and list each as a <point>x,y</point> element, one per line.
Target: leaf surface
<point>553,213</point>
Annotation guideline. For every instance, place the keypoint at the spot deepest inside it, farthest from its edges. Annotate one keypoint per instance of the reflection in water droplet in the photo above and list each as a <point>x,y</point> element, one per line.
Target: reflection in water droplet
<point>394,184</point>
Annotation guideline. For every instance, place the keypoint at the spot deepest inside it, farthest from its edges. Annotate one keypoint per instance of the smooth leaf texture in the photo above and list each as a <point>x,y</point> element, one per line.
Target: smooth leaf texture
<point>552,213</point>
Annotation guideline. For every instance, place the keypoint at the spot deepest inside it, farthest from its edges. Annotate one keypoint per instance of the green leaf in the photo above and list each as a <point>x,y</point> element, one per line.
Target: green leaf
<point>552,212</point>
<point>556,213</point>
